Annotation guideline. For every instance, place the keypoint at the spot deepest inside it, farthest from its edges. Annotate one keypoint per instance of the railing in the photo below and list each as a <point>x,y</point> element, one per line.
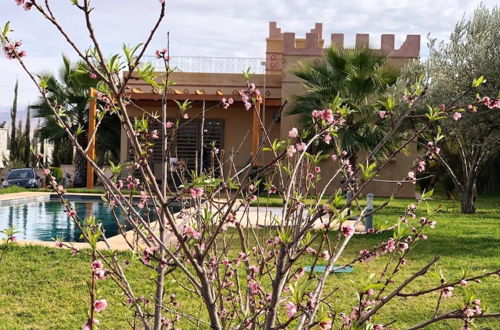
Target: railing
<point>212,64</point>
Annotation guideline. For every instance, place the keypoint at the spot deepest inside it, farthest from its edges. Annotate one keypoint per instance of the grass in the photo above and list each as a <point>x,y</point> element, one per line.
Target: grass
<point>44,288</point>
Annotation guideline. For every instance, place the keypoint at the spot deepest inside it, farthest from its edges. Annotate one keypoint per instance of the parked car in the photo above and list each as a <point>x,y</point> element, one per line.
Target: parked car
<point>22,177</point>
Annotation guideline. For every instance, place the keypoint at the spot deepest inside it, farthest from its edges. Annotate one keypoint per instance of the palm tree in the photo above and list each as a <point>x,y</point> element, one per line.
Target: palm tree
<point>359,77</point>
<point>71,92</point>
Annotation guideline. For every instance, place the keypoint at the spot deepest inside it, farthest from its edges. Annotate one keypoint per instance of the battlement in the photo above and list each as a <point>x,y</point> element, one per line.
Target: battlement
<point>285,43</point>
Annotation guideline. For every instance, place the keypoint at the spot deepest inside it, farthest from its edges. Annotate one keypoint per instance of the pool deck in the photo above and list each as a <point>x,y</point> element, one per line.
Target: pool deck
<point>256,217</point>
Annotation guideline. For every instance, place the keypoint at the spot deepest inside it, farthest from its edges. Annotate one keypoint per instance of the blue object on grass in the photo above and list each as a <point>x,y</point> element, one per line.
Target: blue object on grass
<point>335,269</point>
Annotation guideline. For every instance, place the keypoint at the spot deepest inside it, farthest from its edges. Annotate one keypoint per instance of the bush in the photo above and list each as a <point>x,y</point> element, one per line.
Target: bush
<point>57,173</point>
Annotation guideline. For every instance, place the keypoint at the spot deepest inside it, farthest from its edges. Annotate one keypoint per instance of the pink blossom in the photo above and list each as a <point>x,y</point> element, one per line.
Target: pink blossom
<point>100,305</point>
<point>154,134</point>
<point>382,114</point>
<point>327,115</point>
<point>86,325</point>
<point>27,6</point>
<point>248,105</point>
<point>325,255</point>
<point>447,291</point>
<point>100,274</point>
<point>169,124</point>
<point>421,165</point>
<point>301,146</point>
<point>162,54</point>
<point>96,265</point>
<point>293,133</point>
<point>378,327</point>
<point>196,192</point>
<point>185,116</point>
<point>328,138</point>
<point>46,171</point>
<point>457,115</point>
<point>403,246</point>
<point>411,176</point>
<point>92,75</point>
<point>254,287</point>
<point>316,114</point>
<point>442,106</point>
<point>317,169</point>
<point>325,324</point>
<point>191,232</point>
<point>19,2</point>
<point>291,309</point>
<point>348,230</point>
<point>310,250</point>
<point>59,244</point>
<point>72,213</point>
<point>334,157</point>
<point>463,283</point>
<point>432,224</point>
<point>290,151</point>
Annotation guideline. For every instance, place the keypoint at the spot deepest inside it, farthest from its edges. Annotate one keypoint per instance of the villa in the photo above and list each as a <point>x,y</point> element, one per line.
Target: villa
<point>205,81</point>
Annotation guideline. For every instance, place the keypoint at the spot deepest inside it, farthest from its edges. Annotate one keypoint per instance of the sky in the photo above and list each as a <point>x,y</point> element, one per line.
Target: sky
<point>225,28</point>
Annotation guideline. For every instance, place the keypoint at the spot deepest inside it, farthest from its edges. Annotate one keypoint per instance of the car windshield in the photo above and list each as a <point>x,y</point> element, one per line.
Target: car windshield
<point>20,174</point>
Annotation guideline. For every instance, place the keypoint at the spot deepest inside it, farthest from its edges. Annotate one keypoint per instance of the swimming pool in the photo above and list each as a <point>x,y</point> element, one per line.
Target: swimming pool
<point>45,219</point>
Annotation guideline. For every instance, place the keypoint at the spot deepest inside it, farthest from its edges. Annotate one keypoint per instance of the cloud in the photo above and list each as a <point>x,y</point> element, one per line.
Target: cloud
<point>215,28</point>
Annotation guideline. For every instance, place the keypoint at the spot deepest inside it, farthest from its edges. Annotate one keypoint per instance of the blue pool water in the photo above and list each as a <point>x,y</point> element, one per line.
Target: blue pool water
<point>44,221</point>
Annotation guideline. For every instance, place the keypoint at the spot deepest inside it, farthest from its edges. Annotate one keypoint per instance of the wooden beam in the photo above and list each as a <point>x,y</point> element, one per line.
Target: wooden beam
<point>256,131</point>
<point>90,132</point>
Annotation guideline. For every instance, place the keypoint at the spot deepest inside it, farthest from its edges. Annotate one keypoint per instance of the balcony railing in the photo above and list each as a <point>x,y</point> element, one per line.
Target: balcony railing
<point>212,64</point>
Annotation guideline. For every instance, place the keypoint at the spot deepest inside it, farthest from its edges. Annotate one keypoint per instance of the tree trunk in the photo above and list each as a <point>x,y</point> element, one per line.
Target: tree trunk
<point>468,197</point>
<point>80,179</point>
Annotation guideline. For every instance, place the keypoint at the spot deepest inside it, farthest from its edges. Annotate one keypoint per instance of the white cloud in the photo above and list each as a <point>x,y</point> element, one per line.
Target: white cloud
<point>215,28</point>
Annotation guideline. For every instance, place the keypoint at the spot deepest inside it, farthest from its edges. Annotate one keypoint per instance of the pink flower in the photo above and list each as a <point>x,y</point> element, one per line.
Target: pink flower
<point>248,105</point>
<point>46,171</point>
<point>100,274</point>
<point>86,325</point>
<point>100,305</point>
<point>185,116</point>
<point>169,124</point>
<point>310,250</point>
<point>72,213</point>
<point>154,134</point>
<point>191,232</point>
<point>254,287</point>
<point>378,327</point>
<point>463,283</point>
<point>92,75</point>
<point>421,165</point>
<point>317,169</point>
<point>96,265</point>
<point>447,291</point>
<point>291,309</point>
<point>326,324</point>
<point>457,116</point>
<point>382,114</point>
<point>348,230</point>
<point>301,146</point>
<point>442,106</point>
<point>403,246</point>
<point>432,224</point>
<point>290,151</point>
<point>327,115</point>
<point>19,2</point>
<point>162,54</point>
<point>325,255</point>
<point>328,138</point>
<point>293,133</point>
<point>334,157</point>
<point>411,176</point>
<point>196,192</point>
<point>27,6</point>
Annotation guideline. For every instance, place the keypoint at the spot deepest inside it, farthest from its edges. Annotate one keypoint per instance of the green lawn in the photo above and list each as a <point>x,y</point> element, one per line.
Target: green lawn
<point>44,288</point>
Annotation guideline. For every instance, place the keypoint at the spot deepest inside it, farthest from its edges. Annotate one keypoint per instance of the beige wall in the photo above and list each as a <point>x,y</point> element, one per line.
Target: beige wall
<point>237,130</point>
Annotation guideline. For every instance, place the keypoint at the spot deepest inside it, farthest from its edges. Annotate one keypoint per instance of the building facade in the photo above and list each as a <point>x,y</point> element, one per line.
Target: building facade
<point>231,129</point>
